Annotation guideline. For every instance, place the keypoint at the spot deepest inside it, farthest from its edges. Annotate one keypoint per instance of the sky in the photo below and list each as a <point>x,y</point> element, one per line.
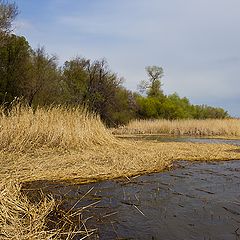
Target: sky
<point>197,42</point>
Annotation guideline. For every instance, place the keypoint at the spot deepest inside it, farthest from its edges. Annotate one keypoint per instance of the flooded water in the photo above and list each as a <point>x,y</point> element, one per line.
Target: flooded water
<point>192,201</point>
<point>161,138</point>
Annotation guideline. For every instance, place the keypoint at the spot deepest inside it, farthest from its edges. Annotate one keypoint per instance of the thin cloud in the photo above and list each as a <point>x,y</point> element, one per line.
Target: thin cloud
<point>23,25</point>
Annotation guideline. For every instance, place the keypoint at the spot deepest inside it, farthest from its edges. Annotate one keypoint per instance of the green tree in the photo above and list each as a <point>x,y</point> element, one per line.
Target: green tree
<point>14,68</point>
<point>44,85</point>
<point>149,107</point>
<point>93,85</point>
<point>123,108</point>
<point>76,79</point>
<point>152,87</point>
<point>205,112</point>
<point>177,108</point>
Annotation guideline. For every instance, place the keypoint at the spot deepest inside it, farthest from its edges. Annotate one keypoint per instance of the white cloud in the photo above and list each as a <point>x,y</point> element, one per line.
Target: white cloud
<point>23,25</point>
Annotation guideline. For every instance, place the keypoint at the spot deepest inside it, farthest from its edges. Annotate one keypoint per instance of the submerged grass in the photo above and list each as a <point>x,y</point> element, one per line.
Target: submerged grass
<point>19,219</point>
<point>69,144</point>
<point>209,127</point>
<point>23,219</point>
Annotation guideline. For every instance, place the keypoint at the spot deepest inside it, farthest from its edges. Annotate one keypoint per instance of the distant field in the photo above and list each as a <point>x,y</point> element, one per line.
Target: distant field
<point>210,127</point>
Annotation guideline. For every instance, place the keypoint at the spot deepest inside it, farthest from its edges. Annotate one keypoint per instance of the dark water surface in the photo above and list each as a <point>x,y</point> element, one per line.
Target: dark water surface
<point>162,138</point>
<point>192,201</point>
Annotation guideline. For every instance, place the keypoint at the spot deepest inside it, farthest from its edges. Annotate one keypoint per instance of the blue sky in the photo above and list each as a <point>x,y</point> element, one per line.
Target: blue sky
<point>197,42</point>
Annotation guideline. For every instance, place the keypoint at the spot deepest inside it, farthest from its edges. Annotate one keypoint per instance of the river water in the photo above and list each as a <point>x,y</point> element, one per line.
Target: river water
<point>192,201</point>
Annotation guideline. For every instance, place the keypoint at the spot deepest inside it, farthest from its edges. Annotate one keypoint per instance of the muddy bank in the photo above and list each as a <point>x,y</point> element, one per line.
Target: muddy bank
<point>193,201</point>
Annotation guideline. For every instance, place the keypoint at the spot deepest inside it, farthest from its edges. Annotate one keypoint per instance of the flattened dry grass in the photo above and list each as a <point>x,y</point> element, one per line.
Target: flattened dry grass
<point>210,127</point>
<point>69,144</point>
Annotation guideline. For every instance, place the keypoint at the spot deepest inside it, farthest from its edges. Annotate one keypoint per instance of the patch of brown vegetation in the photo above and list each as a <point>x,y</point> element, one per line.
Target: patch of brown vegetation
<point>69,144</point>
<point>19,219</point>
<point>40,219</point>
<point>227,128</point>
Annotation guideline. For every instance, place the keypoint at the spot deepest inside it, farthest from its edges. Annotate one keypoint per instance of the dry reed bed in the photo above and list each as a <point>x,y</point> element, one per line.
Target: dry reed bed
<point>209,127</point>
<point>23,130</point>
<point>60,144</point>
<point>69,144</point>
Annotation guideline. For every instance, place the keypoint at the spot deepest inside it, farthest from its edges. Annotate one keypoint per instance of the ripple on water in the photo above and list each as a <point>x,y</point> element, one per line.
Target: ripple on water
<point>194,201</point>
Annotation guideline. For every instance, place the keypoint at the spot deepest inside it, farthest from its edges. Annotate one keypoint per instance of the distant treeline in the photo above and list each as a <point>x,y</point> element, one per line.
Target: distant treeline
<point>36,77</point>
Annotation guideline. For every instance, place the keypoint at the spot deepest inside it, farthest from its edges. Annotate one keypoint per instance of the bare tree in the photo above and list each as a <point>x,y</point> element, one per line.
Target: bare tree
<point>153,86</point>
<point>8,12</point>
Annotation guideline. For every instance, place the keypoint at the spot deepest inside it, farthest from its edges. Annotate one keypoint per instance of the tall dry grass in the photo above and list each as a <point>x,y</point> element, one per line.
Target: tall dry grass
<point>23,129</point>
<point>22,220</point>
<point>209,127</point>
